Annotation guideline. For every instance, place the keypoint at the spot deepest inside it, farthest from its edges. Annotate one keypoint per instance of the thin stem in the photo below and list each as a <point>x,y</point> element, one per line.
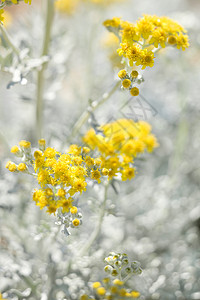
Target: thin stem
<point>137,42</point>
<point>158,49</point>
<point>97,229</point>
<point>86,114</point>
<point>9,42</point>
<point>40,75</point>
<point>127,277</point>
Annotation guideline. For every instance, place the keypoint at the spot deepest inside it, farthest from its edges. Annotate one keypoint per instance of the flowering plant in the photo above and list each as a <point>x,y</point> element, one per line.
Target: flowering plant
<point>94,175</point>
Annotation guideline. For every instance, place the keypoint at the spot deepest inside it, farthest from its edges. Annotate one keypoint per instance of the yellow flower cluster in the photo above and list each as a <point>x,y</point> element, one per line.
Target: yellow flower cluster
<point>110,290</point>
<point>139,43</point>
<point>121,141</point>
<point>60,175</point>
<point>8,2</point>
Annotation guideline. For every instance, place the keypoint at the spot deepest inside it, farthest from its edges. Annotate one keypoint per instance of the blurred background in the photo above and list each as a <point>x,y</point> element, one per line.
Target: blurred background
<point>155,218</point>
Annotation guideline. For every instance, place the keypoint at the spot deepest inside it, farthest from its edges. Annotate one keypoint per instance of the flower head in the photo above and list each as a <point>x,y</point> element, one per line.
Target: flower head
<point>140,42</point>
<point>121,141</point>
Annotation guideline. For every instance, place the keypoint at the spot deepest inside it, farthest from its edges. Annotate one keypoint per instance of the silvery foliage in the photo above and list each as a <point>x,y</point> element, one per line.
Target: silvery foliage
<point>155,218</point>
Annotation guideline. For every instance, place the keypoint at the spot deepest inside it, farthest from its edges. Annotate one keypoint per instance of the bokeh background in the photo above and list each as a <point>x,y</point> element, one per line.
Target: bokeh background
<point>155,218</point>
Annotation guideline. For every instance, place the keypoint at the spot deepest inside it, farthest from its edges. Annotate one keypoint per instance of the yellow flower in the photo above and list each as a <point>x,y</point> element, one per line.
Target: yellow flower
<point>114,289</point>
<point>115,22</point>
<point>134,74</point>
<point>145,26</point>
<point>79,185</point>
<point>129,33</point>
<point>96,285</point>
<point>22,167</point>
<point>172,40</point>
<point>37,154</point>
<point>74,210</point>
<point>50,152</point>
<point>95,174</point>
<point>159,36</point>
<point>146,59</point>
<point>25,144</point>
<point>66,204</point>
<point>133,53</point>
<point>11,166</point>
<point>128,173</point>
<point>75,222</point>
<point>126,83</point>
<point>74,149</point>
<point>135,294</point>
<point>43,177</point>
<point>40,198</point>
<point>61,192</point>
<point>89,161</point>
<point>15,150</point>
<point>49,192</point>
<point>182,41</point>
<point>85,150</point>
<point>84,297</point>
<point>118,282</point>
<point>101,291</point>
<point>150,142</point>
<point>134,91</point>
<point>104,172</point>
<point>122,74</point>
<point>52,207</point>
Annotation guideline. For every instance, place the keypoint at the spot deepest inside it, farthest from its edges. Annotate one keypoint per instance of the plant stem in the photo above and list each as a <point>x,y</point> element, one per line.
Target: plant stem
<point>40,75</point>
<point>8,41</point>
<point>86,114</point>
<point>97,230</point>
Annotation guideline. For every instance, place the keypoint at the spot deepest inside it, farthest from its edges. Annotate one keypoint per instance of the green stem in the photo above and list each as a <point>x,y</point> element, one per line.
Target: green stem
<point>40,75</point>
<point>86,114</point>
<point>97,230</point>
<point>9,42</point>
